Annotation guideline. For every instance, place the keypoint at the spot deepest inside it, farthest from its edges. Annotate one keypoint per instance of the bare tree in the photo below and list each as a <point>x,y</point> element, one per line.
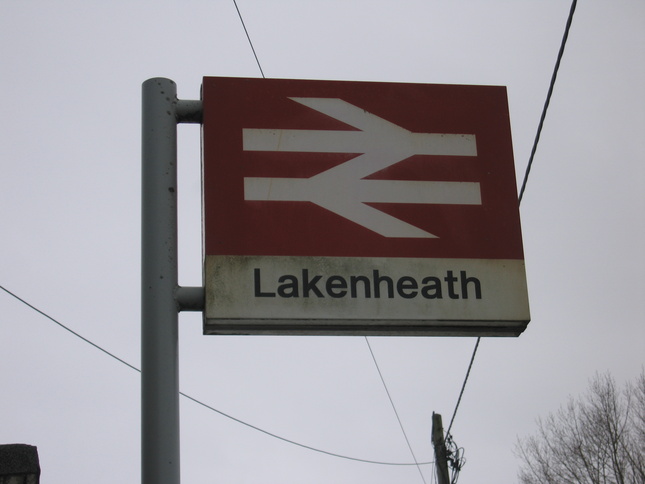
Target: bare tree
<point>596,439</point>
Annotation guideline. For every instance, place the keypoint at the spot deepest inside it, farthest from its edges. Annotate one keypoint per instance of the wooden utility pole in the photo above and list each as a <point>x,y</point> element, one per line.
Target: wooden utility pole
<point>440,457</point>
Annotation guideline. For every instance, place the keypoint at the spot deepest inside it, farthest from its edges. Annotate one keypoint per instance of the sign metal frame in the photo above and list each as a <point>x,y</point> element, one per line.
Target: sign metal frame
<point>360,208</point>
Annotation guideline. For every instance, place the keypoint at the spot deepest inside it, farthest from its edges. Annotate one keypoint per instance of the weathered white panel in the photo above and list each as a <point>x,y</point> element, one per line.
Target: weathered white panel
<point>369,292</point>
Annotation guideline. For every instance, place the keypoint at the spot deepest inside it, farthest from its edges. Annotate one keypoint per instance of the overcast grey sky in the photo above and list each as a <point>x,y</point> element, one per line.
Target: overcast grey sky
<point>70,217</point>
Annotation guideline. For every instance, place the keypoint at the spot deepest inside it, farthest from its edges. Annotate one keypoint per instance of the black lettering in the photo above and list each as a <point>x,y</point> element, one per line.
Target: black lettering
<point>431,288</point>
<point>310,285</point>
<point>464,286</point>
<point>450,279</point>
<point>354,280</point>
<point>289,286</point>
<point>256,281</point>
<point>407,283</point>
<point>336,282</point>
<point>337,286</point>
<point>377,284</point>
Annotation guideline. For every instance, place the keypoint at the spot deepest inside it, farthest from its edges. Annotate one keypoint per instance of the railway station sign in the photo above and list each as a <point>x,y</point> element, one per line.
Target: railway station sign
<point>360,208</point>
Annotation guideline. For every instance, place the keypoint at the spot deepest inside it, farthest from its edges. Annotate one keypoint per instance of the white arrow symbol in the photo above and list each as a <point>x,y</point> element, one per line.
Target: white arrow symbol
<point>342,189</point>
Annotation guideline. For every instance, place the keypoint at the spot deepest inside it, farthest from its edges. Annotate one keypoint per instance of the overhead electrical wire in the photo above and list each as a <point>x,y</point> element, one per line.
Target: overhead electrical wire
<point>199,402</point>
<point>548,97</point>
<point>239,14</point>
<point>463,386</point>
<point>394,407</point>
<point>257,60</point>
<point>545,108</point>
<point>66,328</point>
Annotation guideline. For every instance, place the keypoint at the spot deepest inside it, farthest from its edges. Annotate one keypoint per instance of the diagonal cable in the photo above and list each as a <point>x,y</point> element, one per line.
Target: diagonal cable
<point>463,387</point>
<point>548,97</point>
<point>66,328</point>
<point>528,170</point>
<point>249,38</point>
<point>122,361</point>
<point>366,340</point>
<point>393,407</point>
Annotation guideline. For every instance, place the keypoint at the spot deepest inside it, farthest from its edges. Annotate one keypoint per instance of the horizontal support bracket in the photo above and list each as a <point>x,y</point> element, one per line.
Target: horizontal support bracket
<point>188,111</point>
<point>190,298</point>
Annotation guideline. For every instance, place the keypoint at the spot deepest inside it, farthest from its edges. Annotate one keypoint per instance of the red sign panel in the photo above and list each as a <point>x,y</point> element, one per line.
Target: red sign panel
<point>374,171</point>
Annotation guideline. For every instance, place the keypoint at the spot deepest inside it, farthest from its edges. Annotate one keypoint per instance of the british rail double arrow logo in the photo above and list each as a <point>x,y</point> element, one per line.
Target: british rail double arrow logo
<point>343,189</point>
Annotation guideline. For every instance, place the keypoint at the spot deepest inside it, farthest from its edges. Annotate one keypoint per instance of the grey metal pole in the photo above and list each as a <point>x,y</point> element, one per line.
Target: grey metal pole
<point>159,311</point>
